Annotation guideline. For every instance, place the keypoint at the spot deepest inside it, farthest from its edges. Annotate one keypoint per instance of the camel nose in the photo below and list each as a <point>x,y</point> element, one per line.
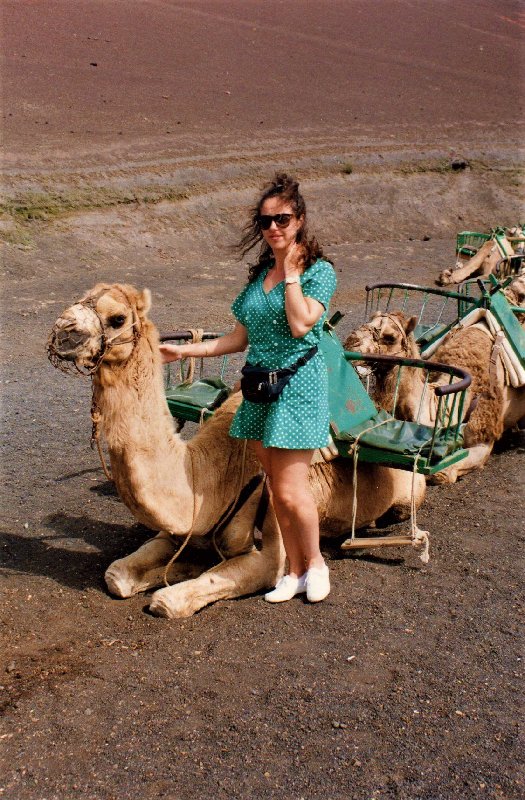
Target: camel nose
<point>66,342</point>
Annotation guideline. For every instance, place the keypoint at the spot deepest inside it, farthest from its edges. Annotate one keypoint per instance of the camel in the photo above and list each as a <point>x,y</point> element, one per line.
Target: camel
<point>485,261</point>
<point>182,488</point>
<point>491,406</point>
<point>515,293</point>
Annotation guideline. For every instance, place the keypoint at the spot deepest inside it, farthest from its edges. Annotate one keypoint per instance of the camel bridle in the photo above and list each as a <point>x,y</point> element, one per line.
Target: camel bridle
<point>106,342</point>
<point>376,335</point>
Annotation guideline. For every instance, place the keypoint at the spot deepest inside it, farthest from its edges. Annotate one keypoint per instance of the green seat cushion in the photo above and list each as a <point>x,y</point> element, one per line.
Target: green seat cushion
<point>205,393</point>
<point>404,438</point>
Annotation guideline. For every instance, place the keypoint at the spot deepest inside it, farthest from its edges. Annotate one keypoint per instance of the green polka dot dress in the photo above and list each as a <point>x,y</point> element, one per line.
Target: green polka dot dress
<point>299,418</point>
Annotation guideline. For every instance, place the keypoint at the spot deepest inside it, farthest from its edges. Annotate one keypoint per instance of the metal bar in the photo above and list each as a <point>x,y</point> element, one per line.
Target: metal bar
<point>417,287</point>
<point>398,381</point>
<point>423,394</point>
<point>185,335</point>
<point>433,366</point>
<point>434,431</point>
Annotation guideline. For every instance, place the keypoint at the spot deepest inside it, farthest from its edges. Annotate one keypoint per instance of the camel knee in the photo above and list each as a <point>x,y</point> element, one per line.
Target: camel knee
<point>445,277</point>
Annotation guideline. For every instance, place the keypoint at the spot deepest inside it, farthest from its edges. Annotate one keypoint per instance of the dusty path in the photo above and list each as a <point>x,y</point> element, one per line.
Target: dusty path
<point>404,684</point>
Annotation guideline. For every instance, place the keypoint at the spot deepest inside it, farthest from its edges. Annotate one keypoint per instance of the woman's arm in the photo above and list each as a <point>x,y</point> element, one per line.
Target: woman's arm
<point>234,342</point>
<point>301,312</point>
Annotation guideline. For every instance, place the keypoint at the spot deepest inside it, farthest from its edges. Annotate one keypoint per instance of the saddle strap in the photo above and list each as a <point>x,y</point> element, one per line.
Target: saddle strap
<point>495,356</point>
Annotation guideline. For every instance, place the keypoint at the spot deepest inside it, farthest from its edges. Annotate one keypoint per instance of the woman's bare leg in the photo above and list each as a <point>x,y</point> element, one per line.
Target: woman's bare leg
<point>294,505</point>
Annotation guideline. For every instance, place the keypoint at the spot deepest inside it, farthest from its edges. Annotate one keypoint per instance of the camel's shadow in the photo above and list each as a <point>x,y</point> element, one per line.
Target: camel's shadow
<point>77,550</point>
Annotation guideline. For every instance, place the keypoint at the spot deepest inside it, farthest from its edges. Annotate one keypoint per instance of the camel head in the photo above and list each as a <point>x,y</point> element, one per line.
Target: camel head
<point>515,294</point>
<point>385,334</point>
<point>101,328</point>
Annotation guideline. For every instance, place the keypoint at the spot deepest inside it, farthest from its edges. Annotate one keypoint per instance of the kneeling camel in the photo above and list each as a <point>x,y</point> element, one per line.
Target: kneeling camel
<point>491,405</point>
<point>179,487</point>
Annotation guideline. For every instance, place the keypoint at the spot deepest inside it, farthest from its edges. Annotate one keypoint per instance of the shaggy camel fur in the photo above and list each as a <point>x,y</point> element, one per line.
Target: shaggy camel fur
<point>491,407</point>
<point>175,486</point>
<point>484,262</point>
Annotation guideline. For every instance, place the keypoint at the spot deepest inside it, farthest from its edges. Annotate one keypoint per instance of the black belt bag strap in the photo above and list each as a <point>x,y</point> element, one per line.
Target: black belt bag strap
<point>260,385</point>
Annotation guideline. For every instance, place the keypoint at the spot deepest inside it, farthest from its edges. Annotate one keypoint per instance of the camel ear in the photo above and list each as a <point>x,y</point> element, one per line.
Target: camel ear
<point>410,325</point>
<point>143,302</point>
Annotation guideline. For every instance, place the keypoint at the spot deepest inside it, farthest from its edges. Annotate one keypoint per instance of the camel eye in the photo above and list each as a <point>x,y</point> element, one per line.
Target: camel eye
<point>117,320</point>
<point>389,339</point>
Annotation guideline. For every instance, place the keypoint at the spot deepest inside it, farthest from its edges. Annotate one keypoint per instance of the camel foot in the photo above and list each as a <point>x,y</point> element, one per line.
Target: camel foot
<point>446,476</point>
<point>445,278</point>
<point>120,581</point>
<point>169,603</point>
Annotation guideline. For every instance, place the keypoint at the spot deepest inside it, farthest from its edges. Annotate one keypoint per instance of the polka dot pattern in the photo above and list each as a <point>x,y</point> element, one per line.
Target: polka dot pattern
<point>299,419</point>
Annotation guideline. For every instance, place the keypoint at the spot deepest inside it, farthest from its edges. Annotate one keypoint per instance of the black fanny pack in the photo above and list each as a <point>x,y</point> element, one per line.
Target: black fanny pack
<point>260,385</point>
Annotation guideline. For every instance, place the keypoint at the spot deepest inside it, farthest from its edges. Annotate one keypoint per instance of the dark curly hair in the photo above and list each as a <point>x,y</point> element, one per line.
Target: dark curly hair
<point>287,189</point>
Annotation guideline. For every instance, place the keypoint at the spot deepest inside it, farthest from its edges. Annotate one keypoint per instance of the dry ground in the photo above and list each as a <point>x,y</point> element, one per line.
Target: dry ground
<point>405,682</point>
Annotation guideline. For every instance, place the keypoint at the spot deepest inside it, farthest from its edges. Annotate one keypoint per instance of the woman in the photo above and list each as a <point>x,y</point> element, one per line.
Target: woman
<point>279,315</point>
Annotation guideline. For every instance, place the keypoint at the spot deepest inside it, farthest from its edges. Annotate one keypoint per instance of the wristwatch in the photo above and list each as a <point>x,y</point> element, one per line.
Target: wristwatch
<point>291,280</point>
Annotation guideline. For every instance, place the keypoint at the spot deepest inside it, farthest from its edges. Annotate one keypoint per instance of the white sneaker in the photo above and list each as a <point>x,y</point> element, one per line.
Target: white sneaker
<point>317,583</point>
<point>286,588</point>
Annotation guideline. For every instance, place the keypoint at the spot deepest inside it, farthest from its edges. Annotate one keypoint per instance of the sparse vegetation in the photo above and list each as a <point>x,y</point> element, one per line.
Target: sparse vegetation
<point>347,168</point>
<point>441,167</point>
<point>44,206</point>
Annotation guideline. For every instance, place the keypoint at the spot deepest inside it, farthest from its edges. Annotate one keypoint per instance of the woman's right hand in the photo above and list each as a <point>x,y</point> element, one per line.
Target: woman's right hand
<point>170,352</point>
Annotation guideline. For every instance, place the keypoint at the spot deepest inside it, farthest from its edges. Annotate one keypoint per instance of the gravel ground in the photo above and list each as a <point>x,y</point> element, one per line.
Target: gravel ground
<point>405,683</point>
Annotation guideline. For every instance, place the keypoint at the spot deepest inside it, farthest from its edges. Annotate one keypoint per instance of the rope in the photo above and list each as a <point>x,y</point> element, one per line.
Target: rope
<point>241,484</point>
<point>96,419</point>
<point>495,357</point>
<point>420,538</point>
<point>355,448</point>
<point>191,531</point>
<point>196,337</point>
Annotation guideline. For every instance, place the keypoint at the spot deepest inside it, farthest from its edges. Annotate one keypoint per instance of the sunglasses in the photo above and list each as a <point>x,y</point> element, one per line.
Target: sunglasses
<point>281,220</point>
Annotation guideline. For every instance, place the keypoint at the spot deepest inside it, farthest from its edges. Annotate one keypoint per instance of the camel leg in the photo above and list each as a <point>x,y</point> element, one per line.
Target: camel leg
<point>241,575</point>
<point>472,266</point>
<point>476,459</point>
<point>144,569</point>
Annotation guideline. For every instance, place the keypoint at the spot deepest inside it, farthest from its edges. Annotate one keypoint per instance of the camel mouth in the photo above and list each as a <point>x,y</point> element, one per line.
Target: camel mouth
<point>356,346</point>
<point>66,349</point>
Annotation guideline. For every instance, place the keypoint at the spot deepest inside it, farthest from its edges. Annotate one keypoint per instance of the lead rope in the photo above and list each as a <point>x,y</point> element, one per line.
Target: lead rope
<point>420,538</point>
<point>95,413</point>
<point>190,532</point>
<point>96,419</point>
<point>241,484</point>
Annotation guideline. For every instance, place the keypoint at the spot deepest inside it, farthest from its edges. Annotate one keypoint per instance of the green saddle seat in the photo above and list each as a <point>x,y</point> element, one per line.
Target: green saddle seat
<point>197,400</point>
<point>398,443</point>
